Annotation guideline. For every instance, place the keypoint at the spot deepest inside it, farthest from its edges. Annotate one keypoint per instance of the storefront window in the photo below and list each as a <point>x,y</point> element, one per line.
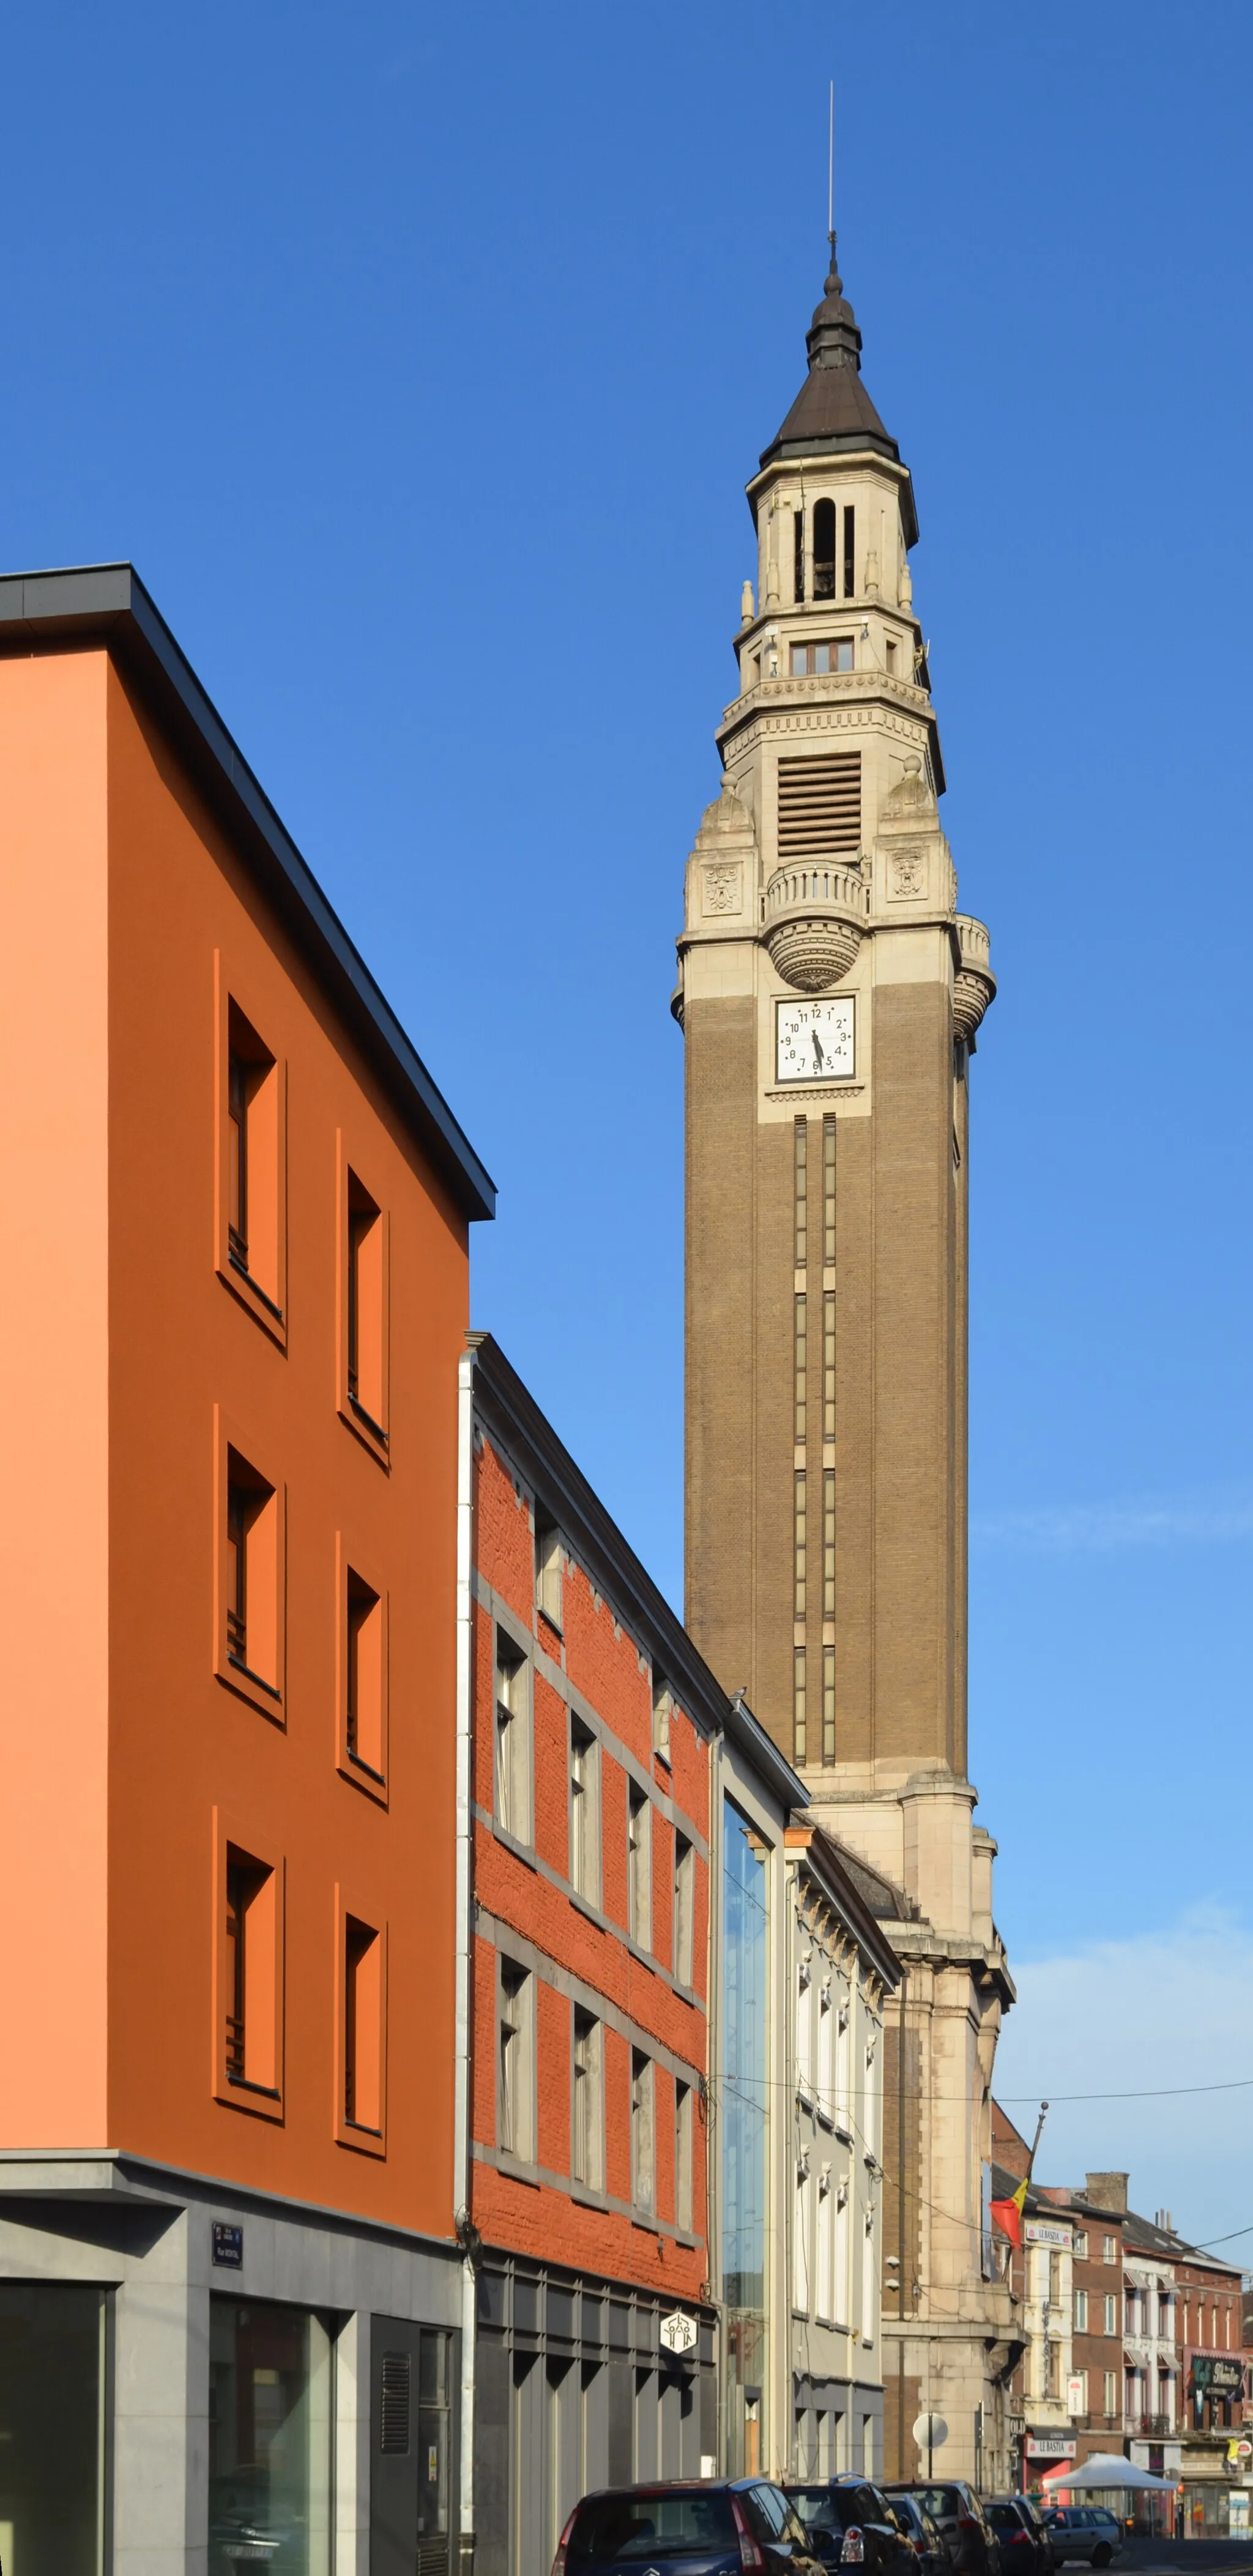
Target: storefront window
<point>269,2439</point>
<point>745,2130</point>
<point>52,2384</point>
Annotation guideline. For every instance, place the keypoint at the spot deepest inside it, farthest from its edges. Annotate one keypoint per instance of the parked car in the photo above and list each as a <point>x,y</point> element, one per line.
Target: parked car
<point>922,2532</point>
<point>1021,2537</point>
<point>719,2527</point>
<point>968,2535</point>
<point>849,2524</point>
<point>1087,2531</point>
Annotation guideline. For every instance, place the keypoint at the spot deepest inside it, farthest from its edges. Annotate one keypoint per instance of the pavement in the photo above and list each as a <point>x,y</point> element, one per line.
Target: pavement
<point>1186,2557</point>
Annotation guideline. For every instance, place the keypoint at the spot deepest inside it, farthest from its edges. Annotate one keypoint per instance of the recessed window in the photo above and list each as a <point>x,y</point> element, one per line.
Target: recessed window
<point>804,2027</point>
<point>800,1334</point>
<point>824,2047</point>
<point>828,1364</point>
<point>362,1319</point>
<point>584,1813</point>
<point>798,556</point>
<point>363,2026</point>
<point>513,1784</point>
<point>684,1894</point>
<point>639,1868</point>
<point>824,550</point>
<point>828,1542</point>
<point>1110,2254</point>
<point>513,2043</point>
<point>643,2175</point>
<point>889,655</point>
<point>363,1677</point>
<point>586,2115</point>
<point>800,1174</point>
<point>812,660</point>
<point>250,1986</point>
<point>798,1544</point>
<point>799,1737</point>
<point>663,1712</point>
<point>850,552</point>
<point>828,1703</point>
<point>248,1976</point>
<point>251,1223</point>
<point>548,1569</point>
<point>365,1303</point>
<point>250,1578</point>
<point>1081,2312</point>
<point>682,2155</point>
<point>1081,2245</point>
<point>249,1571</point>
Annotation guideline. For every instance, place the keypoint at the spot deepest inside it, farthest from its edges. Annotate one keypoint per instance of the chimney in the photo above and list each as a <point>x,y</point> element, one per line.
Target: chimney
<point>1108,2191</point>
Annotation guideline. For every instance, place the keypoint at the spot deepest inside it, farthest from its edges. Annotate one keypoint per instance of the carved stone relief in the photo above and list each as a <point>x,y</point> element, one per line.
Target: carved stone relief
<point>907,875</point>
<point>722,888</point>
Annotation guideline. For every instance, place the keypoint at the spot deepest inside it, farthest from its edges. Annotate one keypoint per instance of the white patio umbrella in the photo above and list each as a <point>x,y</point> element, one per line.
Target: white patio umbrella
<point>1109,2469</point>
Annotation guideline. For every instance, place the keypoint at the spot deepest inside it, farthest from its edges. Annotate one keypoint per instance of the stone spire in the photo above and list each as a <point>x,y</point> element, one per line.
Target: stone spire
<point>833,408</point>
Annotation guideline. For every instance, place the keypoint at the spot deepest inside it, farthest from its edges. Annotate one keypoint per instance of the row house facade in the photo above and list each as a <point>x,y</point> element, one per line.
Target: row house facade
<point>843,1975</point>
<point>1132,2343</point>
<point>656,2295</point>
<point>230,2289</point>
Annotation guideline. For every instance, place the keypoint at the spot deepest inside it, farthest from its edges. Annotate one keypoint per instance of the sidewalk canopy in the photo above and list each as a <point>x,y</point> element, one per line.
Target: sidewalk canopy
<point>1109,2469</point>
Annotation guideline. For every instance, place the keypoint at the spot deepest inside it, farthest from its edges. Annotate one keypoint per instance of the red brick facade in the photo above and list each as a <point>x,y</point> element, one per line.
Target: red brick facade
<point>576,1949</point>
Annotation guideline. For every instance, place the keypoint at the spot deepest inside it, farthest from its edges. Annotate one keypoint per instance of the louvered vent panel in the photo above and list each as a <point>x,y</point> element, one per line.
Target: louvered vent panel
<point>432,2559</point>
<point>820,805</point>
<point>394,2412</point>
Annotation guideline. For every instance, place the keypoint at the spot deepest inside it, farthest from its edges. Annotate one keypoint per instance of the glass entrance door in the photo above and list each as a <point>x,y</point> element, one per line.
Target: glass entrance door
<point>52,2416</point>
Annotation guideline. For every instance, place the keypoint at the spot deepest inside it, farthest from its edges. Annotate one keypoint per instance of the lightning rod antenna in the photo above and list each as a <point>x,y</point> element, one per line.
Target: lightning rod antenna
<point>831,171</point>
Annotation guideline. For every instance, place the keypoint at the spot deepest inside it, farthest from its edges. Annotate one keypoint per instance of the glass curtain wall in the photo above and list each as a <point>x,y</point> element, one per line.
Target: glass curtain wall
<point>52,2412</point>
<point>745,2133</point>
<point>269,2439</point>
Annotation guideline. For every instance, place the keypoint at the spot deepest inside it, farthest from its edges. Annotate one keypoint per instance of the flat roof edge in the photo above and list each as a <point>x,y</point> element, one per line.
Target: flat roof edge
<point>109,601</point>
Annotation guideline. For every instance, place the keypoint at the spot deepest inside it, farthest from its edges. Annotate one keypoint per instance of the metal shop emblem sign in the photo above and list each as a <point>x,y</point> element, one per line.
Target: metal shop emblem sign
<point>678,2332</point>
<point>228,2246</point>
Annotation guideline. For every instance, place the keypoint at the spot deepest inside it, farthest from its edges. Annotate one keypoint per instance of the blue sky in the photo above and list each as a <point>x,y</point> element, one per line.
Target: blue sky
<point>418,359</point>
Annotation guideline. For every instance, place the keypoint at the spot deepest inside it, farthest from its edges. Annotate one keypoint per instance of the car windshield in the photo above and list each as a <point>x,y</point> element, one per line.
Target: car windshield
<point>679,2523</point>
<point>819,2506</point>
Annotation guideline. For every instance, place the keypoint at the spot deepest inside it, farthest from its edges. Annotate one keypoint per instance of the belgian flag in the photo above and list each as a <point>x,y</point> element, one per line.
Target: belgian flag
<point>1008,2213</point>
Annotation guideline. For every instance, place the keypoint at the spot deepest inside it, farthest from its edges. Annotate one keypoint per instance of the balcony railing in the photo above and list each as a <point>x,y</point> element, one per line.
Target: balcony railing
<point>1150,2428</point>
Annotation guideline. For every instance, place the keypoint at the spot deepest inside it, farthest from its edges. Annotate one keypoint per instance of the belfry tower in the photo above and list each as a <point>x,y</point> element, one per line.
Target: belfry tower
<point>830,993</point>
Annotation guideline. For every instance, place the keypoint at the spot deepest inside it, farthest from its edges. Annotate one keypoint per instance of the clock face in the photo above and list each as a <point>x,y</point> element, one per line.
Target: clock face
<point>814,1040</point>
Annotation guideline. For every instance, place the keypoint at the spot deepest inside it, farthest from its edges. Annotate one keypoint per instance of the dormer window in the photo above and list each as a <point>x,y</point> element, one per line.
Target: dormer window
<point>808,660</point>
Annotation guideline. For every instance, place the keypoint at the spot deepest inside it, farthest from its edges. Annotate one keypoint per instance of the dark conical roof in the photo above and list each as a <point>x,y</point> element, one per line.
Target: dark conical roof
<point>833,408</point>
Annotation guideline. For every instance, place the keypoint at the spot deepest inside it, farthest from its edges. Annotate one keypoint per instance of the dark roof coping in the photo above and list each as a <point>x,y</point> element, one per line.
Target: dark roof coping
<point>108,603</point>
<point>509,1406</point>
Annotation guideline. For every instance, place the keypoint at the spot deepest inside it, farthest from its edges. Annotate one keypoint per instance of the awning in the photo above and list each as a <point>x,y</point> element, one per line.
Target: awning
<point>1109,2469</point>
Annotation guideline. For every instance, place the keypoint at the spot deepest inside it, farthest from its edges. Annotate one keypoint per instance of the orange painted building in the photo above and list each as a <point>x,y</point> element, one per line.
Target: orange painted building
<point>593,1718</point>
<point>235,1303</point>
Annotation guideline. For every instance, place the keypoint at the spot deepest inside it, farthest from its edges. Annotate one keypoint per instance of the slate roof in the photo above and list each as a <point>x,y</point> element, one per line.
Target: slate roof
<point>833,410</point>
